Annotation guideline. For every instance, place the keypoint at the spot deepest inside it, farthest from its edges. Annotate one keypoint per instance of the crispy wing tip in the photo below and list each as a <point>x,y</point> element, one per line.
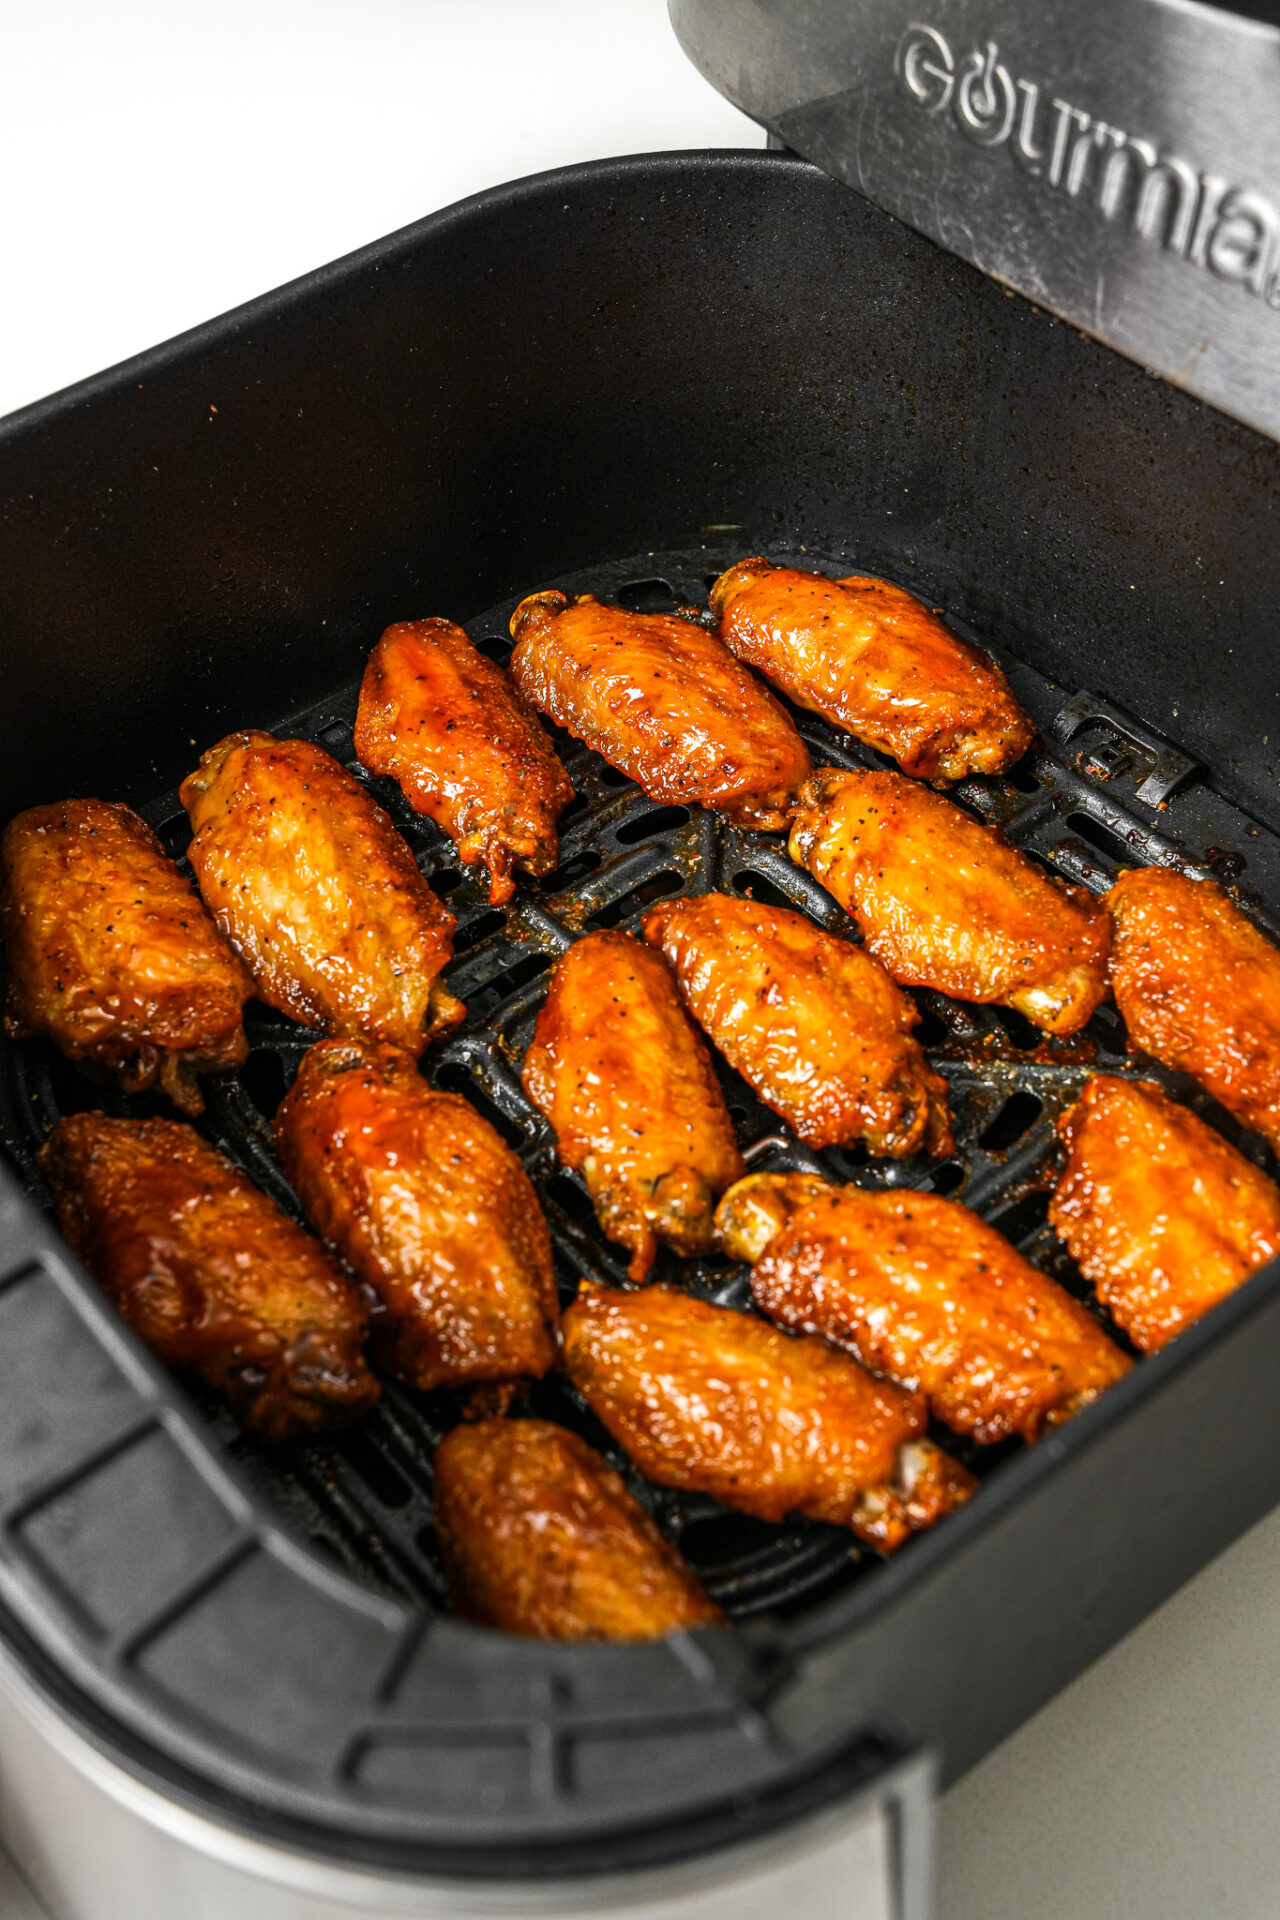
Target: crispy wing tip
<point>734,578</point>
<point>548,602</point>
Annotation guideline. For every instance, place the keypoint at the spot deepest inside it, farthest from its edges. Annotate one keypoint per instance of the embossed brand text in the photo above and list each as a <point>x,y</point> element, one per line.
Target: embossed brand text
<point>1199,216</point>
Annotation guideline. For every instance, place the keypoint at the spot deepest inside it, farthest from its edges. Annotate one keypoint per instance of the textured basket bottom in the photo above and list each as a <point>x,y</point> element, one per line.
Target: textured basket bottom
<point>364,1497</point>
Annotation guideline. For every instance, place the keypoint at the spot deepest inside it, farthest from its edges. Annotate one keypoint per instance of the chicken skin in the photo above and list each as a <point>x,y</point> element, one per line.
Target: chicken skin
<point>923,1292</point>
<point>318,893</point>
<point>945,902</point>
<point>719,1402</point>
<point>540,1537</point>
<point>664,701</point>
<point>111,954</point>
<point>627,1083</point>
<point>1199,989</point>
<point>811,1022</point>
<point>1163,1217</point>
<point>210,1273</point>
<point>869,657</point>
<point>428,1206</point>
<point>465,747</point>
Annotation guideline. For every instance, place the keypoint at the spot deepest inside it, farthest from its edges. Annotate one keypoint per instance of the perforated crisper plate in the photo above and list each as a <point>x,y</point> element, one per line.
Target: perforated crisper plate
<point>363,1497</point>
<point>354,1713</point>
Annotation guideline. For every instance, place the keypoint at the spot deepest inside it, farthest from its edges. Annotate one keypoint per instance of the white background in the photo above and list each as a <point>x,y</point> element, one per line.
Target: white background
<point>162,160</point>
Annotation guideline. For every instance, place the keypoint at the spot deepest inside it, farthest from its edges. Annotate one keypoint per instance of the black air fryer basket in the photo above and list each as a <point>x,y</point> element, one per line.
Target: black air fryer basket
<point>619,377</point>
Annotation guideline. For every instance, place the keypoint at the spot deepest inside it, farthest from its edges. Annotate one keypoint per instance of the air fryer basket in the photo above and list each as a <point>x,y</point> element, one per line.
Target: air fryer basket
<point>618,378</point>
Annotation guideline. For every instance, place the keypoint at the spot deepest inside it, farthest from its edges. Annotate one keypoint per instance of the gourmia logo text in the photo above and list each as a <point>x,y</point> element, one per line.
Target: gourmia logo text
<point>1207,221</point>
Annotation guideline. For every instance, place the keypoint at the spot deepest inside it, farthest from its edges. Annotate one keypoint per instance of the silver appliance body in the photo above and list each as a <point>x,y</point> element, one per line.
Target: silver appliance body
<point>98,1844</point>
<point>1117,161</point>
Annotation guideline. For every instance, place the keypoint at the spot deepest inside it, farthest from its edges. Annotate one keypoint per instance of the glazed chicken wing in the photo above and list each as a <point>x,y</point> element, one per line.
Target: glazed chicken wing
<point>209,1271</point>
<point>925,1293</point>
<point>1162,1215</point>
<point>540,1537</point>
<point>811,1022</point>
<point>430,1208</point>
<point>945,902</point>
<point>1199,988</point>
<point>869,657</point>
<point>627,1084</point>
<point>722,1403</point>
<point>111,954</point>
<point>663,700</point>
<point>318,893</point>
<point>465,747</point>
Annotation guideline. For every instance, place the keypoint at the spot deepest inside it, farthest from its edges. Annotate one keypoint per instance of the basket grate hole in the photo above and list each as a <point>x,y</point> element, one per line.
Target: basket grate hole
<point>1012,1121</point>
<point>646,825</point>
<point>453,1078</point>
<point>1100,837</point>
<point>758,886</point>
<point>1023,1032</point>
<point>946,1178</point>
<point>657,887</point>
<point>581,867</point>
<point>478,930</point>
<point>647,596</point>
<point>263,1076</point>
<point>383,1480</point>
<point>1024,1217</point>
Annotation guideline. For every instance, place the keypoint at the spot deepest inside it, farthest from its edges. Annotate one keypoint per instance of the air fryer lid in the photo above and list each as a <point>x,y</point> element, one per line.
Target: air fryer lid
<point>621,373</point>
<point>1117,160</point>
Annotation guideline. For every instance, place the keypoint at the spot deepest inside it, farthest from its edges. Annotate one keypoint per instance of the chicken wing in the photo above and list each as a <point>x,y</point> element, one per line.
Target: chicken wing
<point>627,1083</point>
<point>1199,989</point>
<point>923,1292</point>
<point>430,1208</point>
<point>720,1402</point>
<point>111,954</point>
<point>663,700</point>
<point>466,748</point>
<point>811,1022</point>
<point>945,902</point>
<point>210,1273</point>
<point>318,893</point>
<point>1163,1217</point>
<point>540,1537</point>
<point>869,657</point>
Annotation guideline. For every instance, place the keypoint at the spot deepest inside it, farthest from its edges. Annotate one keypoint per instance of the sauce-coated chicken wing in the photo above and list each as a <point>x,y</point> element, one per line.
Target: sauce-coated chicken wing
<point>466,748</point>
<point>318,893</point>
<point>627,1083</point>
<point>925,1293</point>
<point>945,902</point>
<point>811,1022</point>
<point>663,700</point>
<point>1199,988</point>
<point>871,658</point>
<point>1162,1215</point>
<point>209,1271</point>
<point>111,954</point>
<point>722,1403</point>
<point>430,1208</point>
<point>540,1537</point>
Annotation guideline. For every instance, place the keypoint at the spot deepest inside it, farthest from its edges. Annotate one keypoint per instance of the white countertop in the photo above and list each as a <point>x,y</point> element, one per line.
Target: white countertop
<point>166,159</point>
